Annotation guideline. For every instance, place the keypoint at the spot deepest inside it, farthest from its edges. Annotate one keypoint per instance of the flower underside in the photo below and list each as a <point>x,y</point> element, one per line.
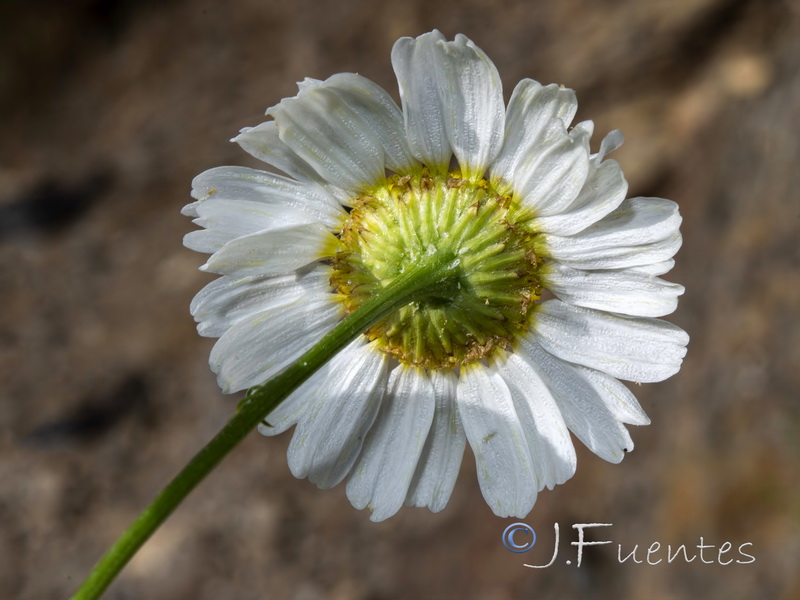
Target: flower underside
<point>414,216</point>
<point>450,339</point>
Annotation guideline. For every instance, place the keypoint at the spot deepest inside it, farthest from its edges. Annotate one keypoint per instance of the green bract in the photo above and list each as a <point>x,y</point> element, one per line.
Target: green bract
<point>411,217</point>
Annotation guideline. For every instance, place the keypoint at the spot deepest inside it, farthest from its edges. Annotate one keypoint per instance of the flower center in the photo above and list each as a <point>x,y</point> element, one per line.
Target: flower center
<point>411,217</point>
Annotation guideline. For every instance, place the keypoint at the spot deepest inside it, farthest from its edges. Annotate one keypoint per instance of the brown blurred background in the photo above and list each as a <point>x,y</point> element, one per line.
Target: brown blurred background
<point>108,111</point>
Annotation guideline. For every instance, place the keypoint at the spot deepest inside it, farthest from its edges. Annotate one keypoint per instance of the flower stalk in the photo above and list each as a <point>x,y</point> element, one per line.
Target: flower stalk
<point>435,275</point>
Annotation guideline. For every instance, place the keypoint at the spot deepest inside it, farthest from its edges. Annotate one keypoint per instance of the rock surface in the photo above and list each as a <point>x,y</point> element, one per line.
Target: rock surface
<point>110,108</point>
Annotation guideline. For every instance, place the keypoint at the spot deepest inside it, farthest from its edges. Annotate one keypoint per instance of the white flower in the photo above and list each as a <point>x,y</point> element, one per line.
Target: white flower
<point>370,190</point>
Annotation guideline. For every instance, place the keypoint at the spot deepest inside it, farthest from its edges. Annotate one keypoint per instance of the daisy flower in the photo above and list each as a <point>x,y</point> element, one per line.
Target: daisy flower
<point>557,289</point>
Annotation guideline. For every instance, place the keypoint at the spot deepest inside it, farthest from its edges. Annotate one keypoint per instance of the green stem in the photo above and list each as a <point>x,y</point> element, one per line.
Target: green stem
<point>436,275</point>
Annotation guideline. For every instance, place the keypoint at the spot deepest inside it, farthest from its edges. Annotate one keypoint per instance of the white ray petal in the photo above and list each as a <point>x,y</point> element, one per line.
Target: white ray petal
<point>226,220</point>
<point>641,231</point>
<point>381,476</point>
<point>320,128</point>
<point>289,412</point>
<point>259,347</point>
<point>634,349</point>
<point>602,192</point>
<point>626,292</point>
<point>530,125</point>
<point>227,300</point>
<point>611,142</point>
<point>548,179</point>
<point>498,441</point>
<point>264,143</point>
<point>423,112</point>
<point>440,461</point>
<point>654,269</point>
<point>471,95</point>
<point>190,210</point>
<point>376,108</point>
<point>343,407</point>
<point>551,448</point>
<point>585,410</point>
<point>244,184</point>
<point>618,398</point>
<point>272,252</point>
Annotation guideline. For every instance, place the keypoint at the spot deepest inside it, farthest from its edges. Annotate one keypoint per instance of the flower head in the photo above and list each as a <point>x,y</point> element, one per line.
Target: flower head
<point>515,196</point>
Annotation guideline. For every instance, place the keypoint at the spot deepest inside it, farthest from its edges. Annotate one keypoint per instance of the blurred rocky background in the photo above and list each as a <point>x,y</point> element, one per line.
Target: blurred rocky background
<point>109,108</point>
